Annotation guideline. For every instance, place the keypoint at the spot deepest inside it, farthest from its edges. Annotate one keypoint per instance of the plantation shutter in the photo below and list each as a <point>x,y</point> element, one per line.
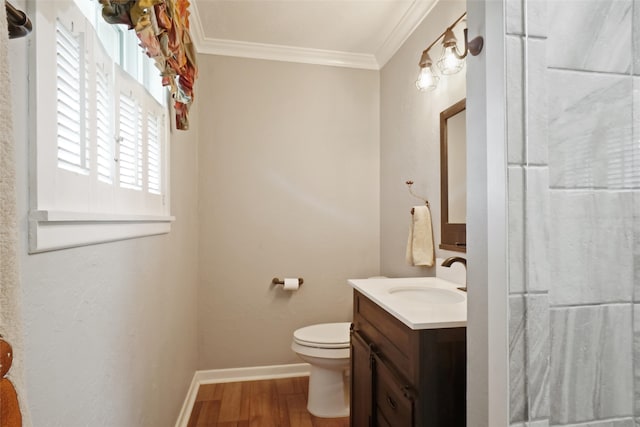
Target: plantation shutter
<point>104,138</point>
<point>71,111</point>
<point>129,143</point>
<point>154,154</point>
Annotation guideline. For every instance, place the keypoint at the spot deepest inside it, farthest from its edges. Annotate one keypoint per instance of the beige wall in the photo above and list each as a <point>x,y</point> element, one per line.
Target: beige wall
<point>410,139</point>
<point>110,329</point>
<point>289,186</point>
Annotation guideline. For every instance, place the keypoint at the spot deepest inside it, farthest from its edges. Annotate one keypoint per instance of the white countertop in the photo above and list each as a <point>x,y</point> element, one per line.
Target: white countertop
<point>415,313</point>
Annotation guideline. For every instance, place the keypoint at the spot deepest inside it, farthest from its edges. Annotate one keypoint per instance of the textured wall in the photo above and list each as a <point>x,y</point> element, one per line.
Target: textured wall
<point>110,329</point>
<point>289,161</point>
<point>410,139</point>
<point>573,217</point>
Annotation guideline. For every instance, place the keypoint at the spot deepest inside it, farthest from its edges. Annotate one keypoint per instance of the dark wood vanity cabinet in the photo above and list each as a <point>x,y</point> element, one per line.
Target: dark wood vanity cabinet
<point>404,377</point>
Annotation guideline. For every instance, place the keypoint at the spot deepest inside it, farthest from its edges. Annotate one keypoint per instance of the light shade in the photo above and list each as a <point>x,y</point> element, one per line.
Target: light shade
<point>451,60</point>
<point>427,80</point>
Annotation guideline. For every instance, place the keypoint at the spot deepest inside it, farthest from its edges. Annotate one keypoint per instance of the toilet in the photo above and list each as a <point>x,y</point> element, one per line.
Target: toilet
<point>325,347</point>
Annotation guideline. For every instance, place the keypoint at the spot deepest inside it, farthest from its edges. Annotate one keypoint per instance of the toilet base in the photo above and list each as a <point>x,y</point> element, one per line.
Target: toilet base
<point>328,394</point>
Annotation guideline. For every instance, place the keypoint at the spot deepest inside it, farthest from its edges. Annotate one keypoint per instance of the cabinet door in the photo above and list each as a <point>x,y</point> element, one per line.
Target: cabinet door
<point>361,390</point>
<point>393,396</point>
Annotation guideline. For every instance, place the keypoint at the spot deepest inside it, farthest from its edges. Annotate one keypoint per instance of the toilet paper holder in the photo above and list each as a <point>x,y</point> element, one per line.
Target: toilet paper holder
<point>276,281</point>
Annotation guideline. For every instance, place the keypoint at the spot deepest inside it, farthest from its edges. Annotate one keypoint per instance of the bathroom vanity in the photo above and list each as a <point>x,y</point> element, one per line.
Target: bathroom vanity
<point>408,353</point>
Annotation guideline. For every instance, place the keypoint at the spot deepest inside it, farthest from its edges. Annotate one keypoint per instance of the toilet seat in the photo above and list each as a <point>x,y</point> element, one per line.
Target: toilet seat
<point>324,335</point>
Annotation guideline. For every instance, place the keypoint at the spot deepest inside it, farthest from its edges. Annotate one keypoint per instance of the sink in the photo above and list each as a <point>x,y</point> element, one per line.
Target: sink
<point>418,302</point>
<point>424,295</point>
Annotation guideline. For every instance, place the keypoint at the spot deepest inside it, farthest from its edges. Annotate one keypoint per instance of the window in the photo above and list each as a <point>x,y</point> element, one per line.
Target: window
<point>100,127</point>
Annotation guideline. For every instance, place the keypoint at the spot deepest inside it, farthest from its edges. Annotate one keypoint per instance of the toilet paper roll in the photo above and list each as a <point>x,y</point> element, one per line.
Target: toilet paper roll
<point>291,284</point>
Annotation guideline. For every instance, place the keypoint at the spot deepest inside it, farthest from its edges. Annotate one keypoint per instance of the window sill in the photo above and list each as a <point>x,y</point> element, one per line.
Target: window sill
<point>54,230</point>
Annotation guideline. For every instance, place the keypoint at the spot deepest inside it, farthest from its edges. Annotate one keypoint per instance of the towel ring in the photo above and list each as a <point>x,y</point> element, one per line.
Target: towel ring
<point>426,202</point>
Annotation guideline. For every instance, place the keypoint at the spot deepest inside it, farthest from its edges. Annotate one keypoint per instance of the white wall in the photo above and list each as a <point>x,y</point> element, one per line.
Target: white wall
<point>289,161</point>
<point>410,139</point>
<point>110,329</point>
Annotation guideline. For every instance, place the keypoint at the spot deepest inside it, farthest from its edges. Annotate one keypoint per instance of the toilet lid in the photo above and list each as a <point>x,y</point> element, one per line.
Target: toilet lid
<point>324,335</point>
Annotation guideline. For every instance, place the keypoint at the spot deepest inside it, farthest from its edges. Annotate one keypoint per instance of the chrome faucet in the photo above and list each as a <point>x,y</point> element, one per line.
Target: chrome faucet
<point>449,262</point>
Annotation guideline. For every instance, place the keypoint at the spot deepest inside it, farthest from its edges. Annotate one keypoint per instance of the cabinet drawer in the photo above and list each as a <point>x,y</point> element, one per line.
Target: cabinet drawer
<point>392,397</point>
<point>381,421</point>
<point>393,339</point>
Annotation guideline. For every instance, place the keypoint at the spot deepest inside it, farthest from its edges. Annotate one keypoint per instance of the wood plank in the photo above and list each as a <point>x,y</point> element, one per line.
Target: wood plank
<point>285,386</point>
<point>230,405</point>
<point>264,403</point>
<point>209,392</point>
<point>195,413</point>
<point>245,402</point>
<point>330,422</point>
<point>298,414</point>
<point>302,385</point>
<point>209,412</point>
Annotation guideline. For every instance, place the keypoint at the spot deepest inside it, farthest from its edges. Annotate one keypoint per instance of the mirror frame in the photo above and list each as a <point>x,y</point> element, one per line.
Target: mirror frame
<point>453,237</point>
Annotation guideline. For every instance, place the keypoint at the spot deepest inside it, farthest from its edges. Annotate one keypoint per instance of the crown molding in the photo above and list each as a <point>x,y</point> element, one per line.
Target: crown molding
<point>410,20</point>
<point>413,17</point>
<point>288,54</point>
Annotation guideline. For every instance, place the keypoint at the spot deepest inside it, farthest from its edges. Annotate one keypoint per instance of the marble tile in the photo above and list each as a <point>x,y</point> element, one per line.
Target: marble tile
<point>537,103</point>
<point>589,128</point>
<point>592,35</point>
<point>636,36</point>
<point>514,16</point>
<point>591,363</point>
<point>516,229</point>
<point>517,360</point>
<point>631,165</point>
<point>528,357</point>
<point>626,422</point>
<point>636,358</point>
<point>537,19</point>
<point>591,247</point>
<point>636,248</point>
<point>537,423</point>
<point>538,355</point>
<point>515,99</point>
<point>537,229</point>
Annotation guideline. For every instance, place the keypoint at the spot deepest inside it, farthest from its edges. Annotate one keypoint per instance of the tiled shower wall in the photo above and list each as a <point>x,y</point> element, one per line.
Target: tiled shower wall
<point>573,124</point>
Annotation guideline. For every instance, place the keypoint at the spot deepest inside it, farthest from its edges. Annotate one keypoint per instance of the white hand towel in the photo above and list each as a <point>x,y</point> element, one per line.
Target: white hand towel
<point>420,247</point>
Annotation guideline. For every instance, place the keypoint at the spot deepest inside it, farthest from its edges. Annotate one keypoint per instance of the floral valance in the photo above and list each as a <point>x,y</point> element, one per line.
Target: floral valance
<point>163,29</point>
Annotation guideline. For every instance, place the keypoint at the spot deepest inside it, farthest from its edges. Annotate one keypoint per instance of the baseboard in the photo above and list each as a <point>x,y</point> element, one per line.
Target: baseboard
<point>253,373</point>
<point>187,406</point>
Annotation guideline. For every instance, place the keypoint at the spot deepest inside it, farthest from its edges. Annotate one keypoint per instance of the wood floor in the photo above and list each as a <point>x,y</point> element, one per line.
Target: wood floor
<point>268,403</point>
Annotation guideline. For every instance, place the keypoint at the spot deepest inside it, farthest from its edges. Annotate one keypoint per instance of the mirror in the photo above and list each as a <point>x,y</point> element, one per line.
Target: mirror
<point>453,177</point>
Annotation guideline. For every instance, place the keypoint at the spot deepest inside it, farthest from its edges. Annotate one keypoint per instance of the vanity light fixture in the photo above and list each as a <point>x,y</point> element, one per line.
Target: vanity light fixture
<point>451,61</point>
<point>427,80</point>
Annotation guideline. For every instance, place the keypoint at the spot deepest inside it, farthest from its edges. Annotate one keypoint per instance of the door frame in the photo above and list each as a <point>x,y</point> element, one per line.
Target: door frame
<point>487,233</point>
